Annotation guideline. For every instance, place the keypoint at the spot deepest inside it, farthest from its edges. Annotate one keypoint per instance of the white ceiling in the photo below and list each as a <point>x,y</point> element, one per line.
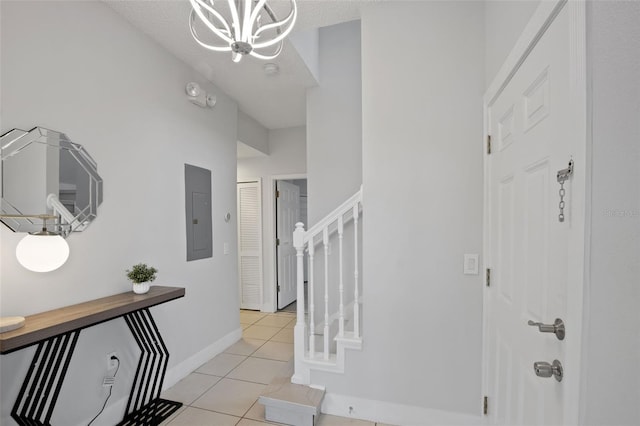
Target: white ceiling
<point>275,101</point>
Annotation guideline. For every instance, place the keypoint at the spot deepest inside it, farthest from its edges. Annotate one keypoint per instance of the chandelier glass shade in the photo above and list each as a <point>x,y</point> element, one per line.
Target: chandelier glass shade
<point>242,27</point>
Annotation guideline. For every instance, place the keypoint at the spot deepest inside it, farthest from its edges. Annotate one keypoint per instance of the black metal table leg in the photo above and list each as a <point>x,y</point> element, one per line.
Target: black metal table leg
<point>40,390</point>
<point>145,407</point>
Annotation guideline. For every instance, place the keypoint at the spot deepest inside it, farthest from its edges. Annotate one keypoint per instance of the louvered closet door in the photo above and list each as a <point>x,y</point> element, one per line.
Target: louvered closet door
<point>250,245</point>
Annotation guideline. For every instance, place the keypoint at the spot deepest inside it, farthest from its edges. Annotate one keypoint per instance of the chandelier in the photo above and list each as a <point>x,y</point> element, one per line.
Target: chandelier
<point>242,27</point>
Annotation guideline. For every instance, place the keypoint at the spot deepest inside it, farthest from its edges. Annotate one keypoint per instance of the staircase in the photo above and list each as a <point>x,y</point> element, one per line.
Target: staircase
<point>323,334</point>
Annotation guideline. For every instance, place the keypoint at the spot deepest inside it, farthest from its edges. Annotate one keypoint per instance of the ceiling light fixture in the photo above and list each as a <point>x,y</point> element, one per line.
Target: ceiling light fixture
<point>242,27</point>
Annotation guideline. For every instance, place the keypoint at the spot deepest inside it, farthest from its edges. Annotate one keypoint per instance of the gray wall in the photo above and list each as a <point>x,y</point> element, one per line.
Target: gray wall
<point>334,121</point>
<point>612,310</point>
<point>80,68</point>
<point>422,149</point>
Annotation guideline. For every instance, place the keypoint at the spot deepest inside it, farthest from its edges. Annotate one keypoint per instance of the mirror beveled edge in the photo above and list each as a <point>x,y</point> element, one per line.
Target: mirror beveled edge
<point>65,169</point>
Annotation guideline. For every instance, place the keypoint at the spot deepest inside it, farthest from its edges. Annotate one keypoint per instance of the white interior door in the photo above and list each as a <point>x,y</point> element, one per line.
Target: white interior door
<point>532,129</point>
<point>288,213</point>
<point>250,244</point>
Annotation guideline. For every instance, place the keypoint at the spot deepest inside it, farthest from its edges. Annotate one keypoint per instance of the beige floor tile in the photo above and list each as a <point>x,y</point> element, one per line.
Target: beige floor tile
<point>173,416</point>
<point>229,396</point>
<point>384,424</point>
<point>257,370</point>
<point>285,336</point>
<point>249,422</point>
<point>196,417</point>
<point>250,317</point>
<point>275,350</point>
<point>291,324</point>
<point>274,321</point>
<point>256,412</point>
<point>327,420</point>
<point>260,332</point>
<point>245,347</point>
<point>221,364</point>
<point>190,388</point>
<point>245,326</point>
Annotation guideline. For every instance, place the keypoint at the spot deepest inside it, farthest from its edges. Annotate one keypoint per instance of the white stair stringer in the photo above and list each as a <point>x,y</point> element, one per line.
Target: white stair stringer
<point>335,363</point>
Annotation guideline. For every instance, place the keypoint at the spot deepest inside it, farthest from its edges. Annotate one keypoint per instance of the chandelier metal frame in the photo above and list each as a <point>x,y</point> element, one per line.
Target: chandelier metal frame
<point>244,32</point>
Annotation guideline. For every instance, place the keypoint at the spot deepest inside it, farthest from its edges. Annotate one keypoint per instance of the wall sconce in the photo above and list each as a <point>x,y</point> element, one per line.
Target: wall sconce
<point>199,97</point>
<point>42,251</point>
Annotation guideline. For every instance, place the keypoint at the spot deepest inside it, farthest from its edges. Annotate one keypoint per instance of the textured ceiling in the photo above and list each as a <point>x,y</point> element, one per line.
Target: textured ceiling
<point>275,101</point>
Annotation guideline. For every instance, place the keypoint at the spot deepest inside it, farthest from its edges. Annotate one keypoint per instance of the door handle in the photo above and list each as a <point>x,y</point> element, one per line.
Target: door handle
<point>544,369</point>
<point>557,328</point>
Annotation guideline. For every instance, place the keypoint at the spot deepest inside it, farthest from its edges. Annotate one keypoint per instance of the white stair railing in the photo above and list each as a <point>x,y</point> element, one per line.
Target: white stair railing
<point>333,289</point>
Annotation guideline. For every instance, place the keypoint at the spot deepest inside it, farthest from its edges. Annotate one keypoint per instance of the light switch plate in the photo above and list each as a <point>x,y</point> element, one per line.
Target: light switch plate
<point>471,264</point>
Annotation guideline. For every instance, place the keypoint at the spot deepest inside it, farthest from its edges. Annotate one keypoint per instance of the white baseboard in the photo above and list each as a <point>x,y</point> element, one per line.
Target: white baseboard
<point>189,365</point>
<point>393,413</point>
<point>114,411</point>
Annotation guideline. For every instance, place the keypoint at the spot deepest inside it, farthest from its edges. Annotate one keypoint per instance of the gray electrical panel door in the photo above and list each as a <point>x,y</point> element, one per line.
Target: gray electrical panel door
<point>197,186</point>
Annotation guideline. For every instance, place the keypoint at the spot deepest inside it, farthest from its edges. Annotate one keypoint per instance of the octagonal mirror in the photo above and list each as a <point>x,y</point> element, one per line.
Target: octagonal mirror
<point>45,172</point>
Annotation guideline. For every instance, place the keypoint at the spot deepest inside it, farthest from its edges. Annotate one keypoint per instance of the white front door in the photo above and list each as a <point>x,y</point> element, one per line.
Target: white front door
<point>532,129</point>
<point>250,244</point>
<point>288,213</point>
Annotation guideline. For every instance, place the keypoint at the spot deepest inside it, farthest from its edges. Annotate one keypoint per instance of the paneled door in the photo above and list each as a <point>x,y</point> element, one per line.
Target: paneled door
<point>287,213</point>
<point>250,244</point>
<point>531,127</point>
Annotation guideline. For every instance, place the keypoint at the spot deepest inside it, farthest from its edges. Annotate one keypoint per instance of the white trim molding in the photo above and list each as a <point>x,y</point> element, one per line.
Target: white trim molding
<point>393,413</point>
<point>189,365</point>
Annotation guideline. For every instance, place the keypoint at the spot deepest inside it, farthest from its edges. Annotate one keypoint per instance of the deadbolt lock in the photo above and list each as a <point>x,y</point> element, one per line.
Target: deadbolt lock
<point>544,369</point>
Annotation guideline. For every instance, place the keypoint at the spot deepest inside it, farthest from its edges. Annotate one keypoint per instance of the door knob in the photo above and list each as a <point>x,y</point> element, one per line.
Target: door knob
<point>557,328</point>
<point>544,369</point>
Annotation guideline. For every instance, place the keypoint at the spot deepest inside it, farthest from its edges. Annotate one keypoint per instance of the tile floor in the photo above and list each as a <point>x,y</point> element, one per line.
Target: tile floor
<point>225,390</point>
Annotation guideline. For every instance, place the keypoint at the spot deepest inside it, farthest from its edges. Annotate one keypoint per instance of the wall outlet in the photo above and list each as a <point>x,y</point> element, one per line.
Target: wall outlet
<point>112,363</point>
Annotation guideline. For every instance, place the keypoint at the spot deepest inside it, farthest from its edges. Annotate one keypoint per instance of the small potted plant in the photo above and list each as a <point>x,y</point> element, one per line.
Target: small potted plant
<point>141,275</point>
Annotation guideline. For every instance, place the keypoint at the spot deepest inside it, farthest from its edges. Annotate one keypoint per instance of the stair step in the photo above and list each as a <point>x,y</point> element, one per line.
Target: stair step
<point>289,403</point>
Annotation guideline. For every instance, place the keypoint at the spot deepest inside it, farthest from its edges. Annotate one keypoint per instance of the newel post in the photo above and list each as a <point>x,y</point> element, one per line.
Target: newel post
<point>301,373</point>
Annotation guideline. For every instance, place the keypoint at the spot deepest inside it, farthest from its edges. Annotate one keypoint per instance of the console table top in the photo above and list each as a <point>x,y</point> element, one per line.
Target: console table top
<point>48,324</point>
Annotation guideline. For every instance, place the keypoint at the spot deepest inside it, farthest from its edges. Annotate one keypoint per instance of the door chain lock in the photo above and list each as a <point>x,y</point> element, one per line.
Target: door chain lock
<point>563,176</point>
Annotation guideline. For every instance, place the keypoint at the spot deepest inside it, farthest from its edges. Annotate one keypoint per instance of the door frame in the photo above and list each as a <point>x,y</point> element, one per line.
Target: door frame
<point>579,235</point>
<point>270,260</point>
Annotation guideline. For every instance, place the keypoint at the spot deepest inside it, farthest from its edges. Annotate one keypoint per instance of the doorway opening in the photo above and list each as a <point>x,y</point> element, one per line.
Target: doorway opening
<point>290,208</point>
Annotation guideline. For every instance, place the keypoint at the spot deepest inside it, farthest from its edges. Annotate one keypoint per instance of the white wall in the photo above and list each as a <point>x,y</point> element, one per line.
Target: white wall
<point>287,157</point>
<point>334,121</point>
<point>79,68</point>
<point>504,22</point>
<point>422,163</point>
<point>612,341</point>
<point>252,133</point>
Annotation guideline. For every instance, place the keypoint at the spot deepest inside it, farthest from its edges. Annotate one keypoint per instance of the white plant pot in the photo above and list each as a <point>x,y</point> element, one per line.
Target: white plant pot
<point>141,288</point>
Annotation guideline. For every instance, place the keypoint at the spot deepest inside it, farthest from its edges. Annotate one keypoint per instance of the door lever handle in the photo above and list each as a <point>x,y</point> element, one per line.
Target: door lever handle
<point>557,327</point>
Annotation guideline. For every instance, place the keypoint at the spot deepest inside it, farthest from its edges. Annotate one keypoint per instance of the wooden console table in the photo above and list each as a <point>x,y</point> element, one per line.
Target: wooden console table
<point>56,334</point>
